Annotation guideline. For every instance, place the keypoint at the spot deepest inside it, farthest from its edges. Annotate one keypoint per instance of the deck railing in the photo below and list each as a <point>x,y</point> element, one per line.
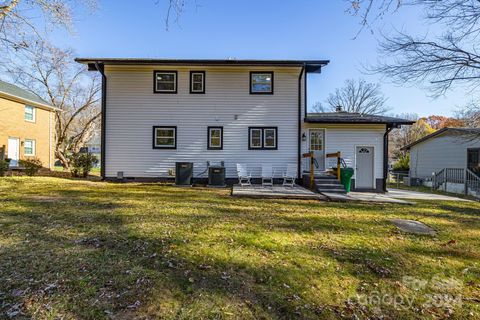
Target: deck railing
<point>470,181</point>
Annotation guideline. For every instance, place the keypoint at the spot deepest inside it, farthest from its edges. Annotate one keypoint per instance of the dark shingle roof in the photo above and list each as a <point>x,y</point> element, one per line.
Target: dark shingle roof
<point>459,131</point>
<point>346,117</point>
<point>13,90</point>
<point>310,65</point>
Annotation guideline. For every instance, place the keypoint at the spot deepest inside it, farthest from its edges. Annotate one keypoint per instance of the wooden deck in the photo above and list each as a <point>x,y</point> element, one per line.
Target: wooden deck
<point>276,192</point>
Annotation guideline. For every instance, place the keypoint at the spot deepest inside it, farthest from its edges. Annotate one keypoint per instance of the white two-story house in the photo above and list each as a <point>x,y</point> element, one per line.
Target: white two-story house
<point>158,111</point>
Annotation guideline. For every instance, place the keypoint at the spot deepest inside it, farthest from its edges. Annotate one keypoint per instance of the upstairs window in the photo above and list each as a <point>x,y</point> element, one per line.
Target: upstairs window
<point>261,82</point>
<point>197,81</point>
<point>29,147</point>
<point>164,137</point>
<point>165,81</point>
<point>264,138</point>
<point>30,113</point>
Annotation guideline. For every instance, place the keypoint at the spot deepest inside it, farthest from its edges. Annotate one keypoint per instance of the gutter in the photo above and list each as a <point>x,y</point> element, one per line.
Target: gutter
<point>100,67</point>
<point>389,128</point>
<point>299,159</point>
<point>28,101</point>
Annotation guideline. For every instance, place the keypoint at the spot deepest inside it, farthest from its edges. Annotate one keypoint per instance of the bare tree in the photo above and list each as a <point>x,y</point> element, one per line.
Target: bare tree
<point>359,97</point>
<point>23,22</point>
<point>441,61</point>
<point>318,107</point>
<point>52,74</point>
<point>470,115</point>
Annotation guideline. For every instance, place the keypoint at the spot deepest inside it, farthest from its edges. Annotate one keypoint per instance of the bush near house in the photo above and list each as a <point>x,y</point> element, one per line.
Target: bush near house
<point>403,163</point>
<point>82,164</point>
<point>3,167</point>
<point>32,166</point>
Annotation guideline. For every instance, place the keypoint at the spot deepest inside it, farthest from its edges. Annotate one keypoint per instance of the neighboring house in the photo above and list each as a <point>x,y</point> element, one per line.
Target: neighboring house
<point>27,126</point>
<point>157,112</point>
<point>445,148</point>
<point>93,146</point>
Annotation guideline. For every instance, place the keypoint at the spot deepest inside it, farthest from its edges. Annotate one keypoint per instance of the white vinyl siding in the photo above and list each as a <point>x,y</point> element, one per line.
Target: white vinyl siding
<point>345,138</point>
<point>444,151</point>
<point>133,109</point>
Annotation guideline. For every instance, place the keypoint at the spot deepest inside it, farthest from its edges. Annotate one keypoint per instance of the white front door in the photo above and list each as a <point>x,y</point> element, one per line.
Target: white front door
<point>13,151</point>
<point>317,146</point>
<point>364,173</point>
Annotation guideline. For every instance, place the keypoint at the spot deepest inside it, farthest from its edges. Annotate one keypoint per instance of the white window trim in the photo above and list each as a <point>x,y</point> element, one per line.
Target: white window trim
<point>174,90</point>
<point>192,82</point>
<point>33,147</point>
<point>165,146</point>
<point>210,138</point>
<point>34,114</point>
<point>251,146</point>
<point>265,138</point>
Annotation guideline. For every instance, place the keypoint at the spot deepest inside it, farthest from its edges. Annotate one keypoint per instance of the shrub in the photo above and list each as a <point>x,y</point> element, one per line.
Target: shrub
<point>31,166</point>
<point>3,167</point>
<point>82,164</point>
<point>403,163</point>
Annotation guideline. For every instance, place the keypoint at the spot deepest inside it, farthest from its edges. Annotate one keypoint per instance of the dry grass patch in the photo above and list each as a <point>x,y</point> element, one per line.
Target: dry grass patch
<point>80,249</point>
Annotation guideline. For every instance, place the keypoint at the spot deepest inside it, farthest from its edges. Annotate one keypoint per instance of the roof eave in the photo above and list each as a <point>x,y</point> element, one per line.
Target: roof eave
<point>313,66</point>
<point>27,101</point>
<point>399,122</point>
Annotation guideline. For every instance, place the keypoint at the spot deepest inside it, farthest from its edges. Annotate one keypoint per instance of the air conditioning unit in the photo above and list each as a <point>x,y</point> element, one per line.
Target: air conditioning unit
<point>216,176</point>
<point>183,173</point>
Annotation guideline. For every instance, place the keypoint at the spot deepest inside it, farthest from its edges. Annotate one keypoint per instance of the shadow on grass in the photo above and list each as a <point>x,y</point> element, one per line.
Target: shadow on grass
<point>96,252</point>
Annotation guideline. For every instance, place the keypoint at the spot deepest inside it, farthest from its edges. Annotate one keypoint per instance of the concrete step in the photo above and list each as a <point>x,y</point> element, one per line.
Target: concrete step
<point>327,181</point>
<point>336,191</point>
<point>329,185</point>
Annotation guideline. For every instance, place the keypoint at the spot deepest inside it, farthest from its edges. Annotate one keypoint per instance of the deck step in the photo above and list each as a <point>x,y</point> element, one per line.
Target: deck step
<point>338,191</point>
<point>331,181</point>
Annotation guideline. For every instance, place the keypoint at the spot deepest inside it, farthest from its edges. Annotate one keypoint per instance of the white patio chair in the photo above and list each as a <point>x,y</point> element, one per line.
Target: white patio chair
<point>289,175</point>
<point>243,176</point>
<point>267,175</point>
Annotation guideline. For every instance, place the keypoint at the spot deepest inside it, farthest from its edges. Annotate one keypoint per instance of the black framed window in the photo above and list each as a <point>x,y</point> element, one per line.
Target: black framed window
<point>165,81</point>
<point>262,138</point>
<point>261,82</point>
<point>215,138</point>
<point>164,137</point>
<point>473,160</point>
<point>197,81</point>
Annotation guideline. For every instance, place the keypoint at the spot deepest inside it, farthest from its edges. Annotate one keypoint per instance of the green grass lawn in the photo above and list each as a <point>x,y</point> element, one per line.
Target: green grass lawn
<point>82,249</point>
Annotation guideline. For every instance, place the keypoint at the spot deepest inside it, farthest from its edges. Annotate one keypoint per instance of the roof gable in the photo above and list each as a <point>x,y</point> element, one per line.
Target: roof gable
<point>458,131</point>
<point>11,90</point>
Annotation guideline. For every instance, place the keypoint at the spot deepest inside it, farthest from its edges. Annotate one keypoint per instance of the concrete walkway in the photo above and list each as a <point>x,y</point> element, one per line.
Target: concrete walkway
<point>415,195</point>
<point>364,197</point>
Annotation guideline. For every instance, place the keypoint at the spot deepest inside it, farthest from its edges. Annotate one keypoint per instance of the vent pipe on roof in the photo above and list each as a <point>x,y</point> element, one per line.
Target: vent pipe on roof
<point>338,109</point>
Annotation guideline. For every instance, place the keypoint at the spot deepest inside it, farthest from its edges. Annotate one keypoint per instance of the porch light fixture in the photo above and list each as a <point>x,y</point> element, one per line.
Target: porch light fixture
<point>304,137</point>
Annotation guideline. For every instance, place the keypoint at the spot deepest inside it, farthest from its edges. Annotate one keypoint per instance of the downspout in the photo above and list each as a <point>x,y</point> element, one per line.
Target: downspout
<point>100,68</point>
<point>385,156</point>
<point>299,160</point>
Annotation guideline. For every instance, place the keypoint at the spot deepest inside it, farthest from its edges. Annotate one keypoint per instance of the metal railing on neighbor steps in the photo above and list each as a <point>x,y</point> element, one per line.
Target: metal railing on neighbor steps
<point>457,177</point>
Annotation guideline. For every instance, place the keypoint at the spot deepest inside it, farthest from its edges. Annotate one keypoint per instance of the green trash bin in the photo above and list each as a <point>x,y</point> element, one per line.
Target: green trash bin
<point>346,175</point>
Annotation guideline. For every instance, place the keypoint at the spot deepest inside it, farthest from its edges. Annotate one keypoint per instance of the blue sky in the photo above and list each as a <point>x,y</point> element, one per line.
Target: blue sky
<point>247,29</point>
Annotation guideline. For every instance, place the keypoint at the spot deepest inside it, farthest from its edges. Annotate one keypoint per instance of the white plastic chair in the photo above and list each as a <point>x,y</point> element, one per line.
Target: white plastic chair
<point>243,176</point>
<point>289,175</point>
<point>267,175</point>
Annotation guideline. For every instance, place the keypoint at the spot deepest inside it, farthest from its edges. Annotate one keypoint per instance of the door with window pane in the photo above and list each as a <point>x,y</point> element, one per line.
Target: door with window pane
<point>317,146</point>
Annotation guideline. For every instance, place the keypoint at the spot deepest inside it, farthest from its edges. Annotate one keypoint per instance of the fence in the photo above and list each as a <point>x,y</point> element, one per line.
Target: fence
<point>397,177</point>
